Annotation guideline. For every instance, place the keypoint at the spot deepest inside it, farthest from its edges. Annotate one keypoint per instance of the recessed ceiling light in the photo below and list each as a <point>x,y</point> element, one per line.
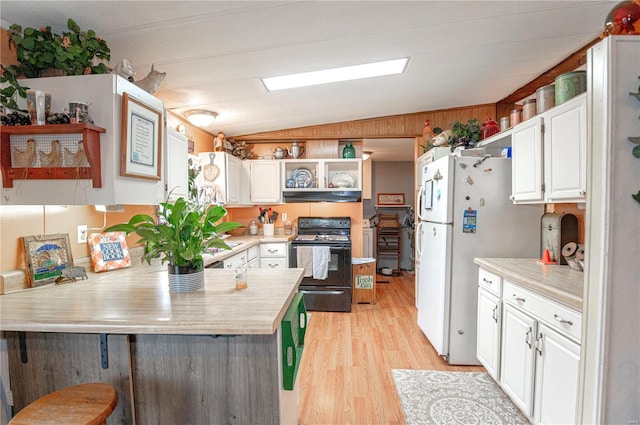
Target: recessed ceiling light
<point>200,117</point>
<point>332,75</point>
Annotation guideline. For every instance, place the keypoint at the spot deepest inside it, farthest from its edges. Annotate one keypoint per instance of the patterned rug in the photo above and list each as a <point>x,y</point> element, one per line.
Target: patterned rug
<point>453,398</point>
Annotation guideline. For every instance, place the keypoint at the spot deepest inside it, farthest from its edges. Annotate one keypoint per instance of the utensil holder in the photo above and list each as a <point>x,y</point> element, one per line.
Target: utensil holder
<point>268,229</point>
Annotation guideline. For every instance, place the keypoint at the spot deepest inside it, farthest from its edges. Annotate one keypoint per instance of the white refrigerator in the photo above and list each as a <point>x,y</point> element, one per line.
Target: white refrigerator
<point>465,212</point>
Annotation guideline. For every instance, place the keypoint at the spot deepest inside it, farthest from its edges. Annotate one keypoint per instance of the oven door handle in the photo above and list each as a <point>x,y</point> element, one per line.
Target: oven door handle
<point>333,247</point>
<point>306,291</point>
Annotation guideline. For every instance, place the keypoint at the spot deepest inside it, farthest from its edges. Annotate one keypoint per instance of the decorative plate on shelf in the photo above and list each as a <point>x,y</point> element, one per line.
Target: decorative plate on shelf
<point>303,178</point>
<point>345,180</point>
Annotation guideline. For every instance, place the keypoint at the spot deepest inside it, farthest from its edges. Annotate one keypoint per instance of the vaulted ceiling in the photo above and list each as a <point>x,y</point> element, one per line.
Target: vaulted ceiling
<point>215,52</point>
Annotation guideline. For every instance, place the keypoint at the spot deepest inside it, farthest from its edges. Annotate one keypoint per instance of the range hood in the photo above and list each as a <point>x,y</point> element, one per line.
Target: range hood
<point>322,196</point>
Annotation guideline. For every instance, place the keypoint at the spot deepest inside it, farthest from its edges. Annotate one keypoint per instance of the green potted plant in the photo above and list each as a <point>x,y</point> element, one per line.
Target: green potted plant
<point>183,232</point>
<point>41,53</point>
<point>465,134</point>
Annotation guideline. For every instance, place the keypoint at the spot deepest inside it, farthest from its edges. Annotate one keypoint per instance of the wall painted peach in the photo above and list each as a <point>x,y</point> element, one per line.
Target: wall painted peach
<point>311,209</point>
<point>32,220</point>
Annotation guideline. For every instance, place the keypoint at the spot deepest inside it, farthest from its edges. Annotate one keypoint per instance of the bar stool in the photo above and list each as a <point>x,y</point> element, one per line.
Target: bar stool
<point>84,404</point>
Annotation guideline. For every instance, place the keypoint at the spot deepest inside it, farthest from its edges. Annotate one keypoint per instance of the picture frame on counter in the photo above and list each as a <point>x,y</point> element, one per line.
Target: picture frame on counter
<point>390,199</point>
<point>141,145</point>
<point>46,256</point>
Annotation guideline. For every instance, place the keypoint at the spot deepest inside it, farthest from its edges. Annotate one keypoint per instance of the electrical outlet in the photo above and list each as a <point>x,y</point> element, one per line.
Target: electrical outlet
<point>284,216</point>
<point>82,233</point>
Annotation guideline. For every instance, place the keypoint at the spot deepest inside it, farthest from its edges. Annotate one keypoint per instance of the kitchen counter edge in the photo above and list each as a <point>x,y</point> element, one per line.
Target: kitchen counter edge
<point>558,283</point>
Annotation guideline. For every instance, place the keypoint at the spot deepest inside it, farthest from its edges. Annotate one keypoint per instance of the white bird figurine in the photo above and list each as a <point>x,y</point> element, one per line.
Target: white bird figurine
<point>77,158</point>
<point>53,158</point>
<point>27,157</point>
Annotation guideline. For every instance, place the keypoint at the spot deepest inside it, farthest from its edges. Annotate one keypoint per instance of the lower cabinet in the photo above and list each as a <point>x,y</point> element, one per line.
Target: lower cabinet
<point>253,257</point>
<point>557,375</point>
<point>516,374</point>
<point>488,346</point>
<point>531,348</point>
<point>274,255</point>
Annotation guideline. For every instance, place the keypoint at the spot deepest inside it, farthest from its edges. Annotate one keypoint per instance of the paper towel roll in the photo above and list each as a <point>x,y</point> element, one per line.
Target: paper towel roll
<point>569,253</point>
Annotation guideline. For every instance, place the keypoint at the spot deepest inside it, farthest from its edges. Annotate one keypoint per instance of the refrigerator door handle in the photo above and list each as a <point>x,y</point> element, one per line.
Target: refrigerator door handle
<point>420,204</point>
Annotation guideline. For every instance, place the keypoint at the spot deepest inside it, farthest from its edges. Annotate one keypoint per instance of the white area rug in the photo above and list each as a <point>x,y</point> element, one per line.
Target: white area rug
<point>452,398</point>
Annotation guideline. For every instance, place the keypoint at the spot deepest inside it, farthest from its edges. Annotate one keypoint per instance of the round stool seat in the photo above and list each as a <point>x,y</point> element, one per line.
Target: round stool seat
<point>86,404</point>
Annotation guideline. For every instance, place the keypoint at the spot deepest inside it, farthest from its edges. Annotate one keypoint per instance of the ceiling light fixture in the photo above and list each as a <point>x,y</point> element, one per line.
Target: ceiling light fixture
<point>200,117</point>
<point>366,155</point>
<point>332,75</point>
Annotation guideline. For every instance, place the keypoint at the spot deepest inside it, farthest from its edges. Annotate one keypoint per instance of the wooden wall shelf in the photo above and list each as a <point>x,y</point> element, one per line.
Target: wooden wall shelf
<point>90,143</point>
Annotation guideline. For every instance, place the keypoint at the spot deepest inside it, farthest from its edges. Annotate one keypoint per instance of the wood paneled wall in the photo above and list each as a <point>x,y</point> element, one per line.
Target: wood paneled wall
<point>396,126</point>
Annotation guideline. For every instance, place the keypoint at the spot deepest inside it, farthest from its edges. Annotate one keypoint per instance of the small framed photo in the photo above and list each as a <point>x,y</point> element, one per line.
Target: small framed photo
<point>109,251</point>
<point>141,143</point>
<point>46,256</point>
<point>390,198</point>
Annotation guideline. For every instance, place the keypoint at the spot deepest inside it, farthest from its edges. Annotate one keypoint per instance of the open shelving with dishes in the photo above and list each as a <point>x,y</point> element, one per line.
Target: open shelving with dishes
<point>60,151</point>
<point>324,174</point>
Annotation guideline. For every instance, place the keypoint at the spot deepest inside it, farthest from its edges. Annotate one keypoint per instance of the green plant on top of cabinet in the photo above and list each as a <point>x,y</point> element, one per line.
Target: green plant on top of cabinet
<point>549,155</point>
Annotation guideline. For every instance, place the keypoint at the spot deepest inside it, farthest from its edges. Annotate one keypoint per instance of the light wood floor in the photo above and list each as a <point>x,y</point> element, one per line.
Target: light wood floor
<point>345,374</point>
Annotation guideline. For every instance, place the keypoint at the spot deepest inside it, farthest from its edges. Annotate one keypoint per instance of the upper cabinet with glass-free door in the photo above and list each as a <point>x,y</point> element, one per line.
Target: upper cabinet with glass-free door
<point>549,155</point>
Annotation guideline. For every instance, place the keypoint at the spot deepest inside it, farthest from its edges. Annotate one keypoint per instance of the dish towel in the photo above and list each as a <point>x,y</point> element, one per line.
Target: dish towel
<point>305,260</point>
<point>321,257</point>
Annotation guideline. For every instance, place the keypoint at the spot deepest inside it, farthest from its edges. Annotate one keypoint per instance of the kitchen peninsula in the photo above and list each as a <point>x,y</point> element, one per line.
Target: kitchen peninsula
<point>209,356</point>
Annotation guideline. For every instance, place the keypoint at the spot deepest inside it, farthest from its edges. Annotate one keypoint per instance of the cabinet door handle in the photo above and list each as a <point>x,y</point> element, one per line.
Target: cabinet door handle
<point>272,251</point>
<point>561,320</point>
<point>487,281</point>
<point>494,314</point>
<point>519,299</point>
<point>539,345</point>
<point>527,338</point>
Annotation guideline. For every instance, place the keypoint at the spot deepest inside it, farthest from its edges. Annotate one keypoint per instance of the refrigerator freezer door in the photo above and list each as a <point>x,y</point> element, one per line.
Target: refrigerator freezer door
<point>434,285</point>
<point>437,191</point>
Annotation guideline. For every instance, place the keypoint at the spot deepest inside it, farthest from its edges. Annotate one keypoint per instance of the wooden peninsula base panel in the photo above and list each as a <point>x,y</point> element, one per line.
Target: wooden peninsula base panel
<point>188,373</point>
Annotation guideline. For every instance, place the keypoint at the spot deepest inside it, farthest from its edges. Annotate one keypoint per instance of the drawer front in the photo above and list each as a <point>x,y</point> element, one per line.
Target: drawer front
<point>560,318</point>
<point>489,281</point>
<point>254,252</point>
<point>238,260</point>
<point>273,263</point>
<point>273,250</point>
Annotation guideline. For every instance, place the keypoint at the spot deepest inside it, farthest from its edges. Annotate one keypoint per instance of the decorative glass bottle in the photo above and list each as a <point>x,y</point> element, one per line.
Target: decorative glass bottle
<point>349,151</point>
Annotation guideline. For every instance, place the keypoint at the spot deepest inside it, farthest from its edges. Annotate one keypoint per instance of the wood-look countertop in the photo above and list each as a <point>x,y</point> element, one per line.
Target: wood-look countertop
<point>559,283</point>
<point>137,301</point>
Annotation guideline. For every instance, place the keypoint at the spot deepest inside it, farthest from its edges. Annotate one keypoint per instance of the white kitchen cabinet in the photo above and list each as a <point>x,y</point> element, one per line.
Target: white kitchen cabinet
<point>489,323</point>
<point>253,257</point>
<point>565,147</point>
<point>104,93</point>
<point>265,178</point>
<point>527,162</point>
<point>222,178</point>
<point>176,165</point>
<point>540,349</point>
<point>236,261</point>
<point>326,174</point>
<point>274,255</point>
<point>556,386</point>
<point>549,155</point>
<point>517,359</point>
